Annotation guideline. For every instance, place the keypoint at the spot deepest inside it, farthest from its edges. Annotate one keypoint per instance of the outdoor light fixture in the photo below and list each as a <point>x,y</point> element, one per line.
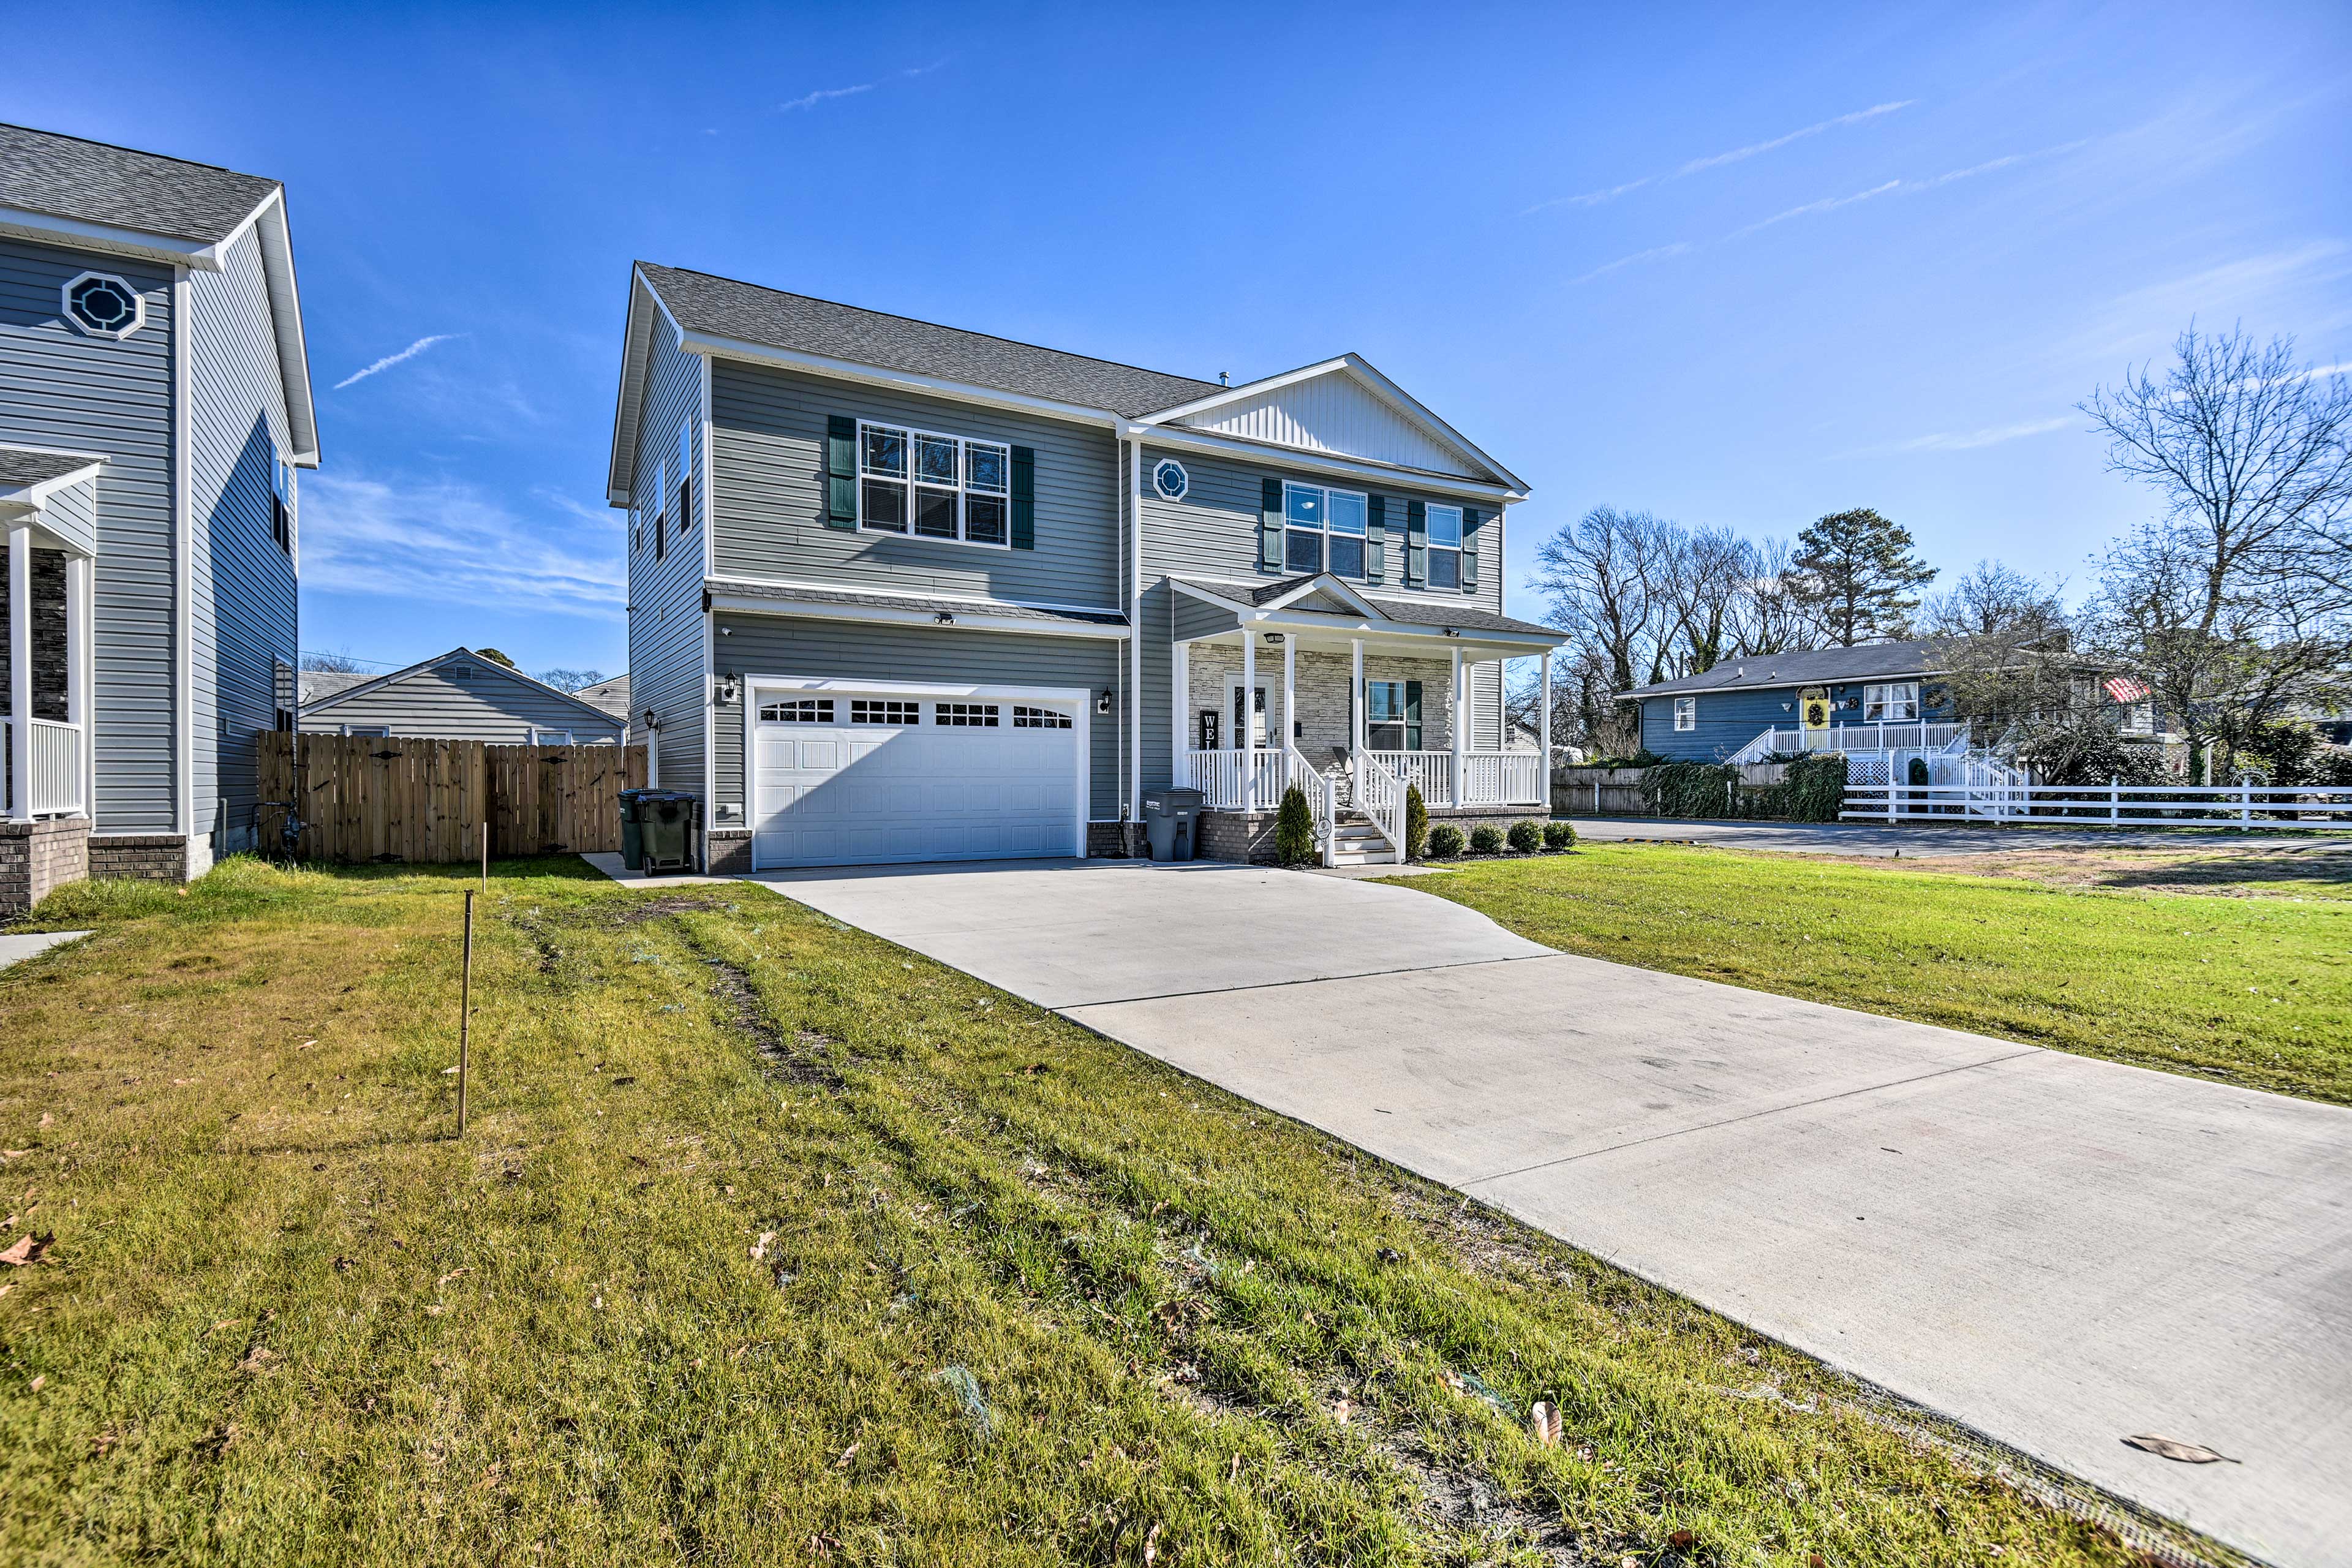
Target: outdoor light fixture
<point>730,686</point>
<point>1102,700</point>
<point>945,619</point>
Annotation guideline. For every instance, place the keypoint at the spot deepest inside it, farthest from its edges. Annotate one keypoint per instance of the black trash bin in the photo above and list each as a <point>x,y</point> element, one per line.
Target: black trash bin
<point>657,829</point>
<point>1172,822</point>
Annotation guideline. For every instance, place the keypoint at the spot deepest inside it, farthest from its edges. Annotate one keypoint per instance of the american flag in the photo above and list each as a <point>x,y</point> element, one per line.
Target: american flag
<point>2127,690</point>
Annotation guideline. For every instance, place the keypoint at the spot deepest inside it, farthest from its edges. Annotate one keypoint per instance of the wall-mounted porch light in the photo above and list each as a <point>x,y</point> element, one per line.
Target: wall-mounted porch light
<point>944,618</point>
<point>1102,700</point>
<point>729,687</point>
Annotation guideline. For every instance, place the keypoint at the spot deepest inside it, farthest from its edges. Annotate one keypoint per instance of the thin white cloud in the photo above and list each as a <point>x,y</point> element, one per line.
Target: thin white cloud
<point>1828,204</point>
<point>824,94</point>
<point>388,361</point>
<point>1610,194</point>
<point>445,540</point>
<point>1969,440</point>
<point>811,99</point>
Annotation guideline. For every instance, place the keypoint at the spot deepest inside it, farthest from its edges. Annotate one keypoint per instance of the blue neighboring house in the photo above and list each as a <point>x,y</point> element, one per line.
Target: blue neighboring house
<point>1876,697</point>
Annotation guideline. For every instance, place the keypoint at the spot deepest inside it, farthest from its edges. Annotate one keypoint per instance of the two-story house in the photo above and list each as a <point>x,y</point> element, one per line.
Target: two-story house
<point>155,405</point>
<point>903,592</point>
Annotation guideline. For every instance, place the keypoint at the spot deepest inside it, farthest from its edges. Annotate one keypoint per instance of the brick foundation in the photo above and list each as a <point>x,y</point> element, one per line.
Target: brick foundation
<point>145,856</point>
<point>1238,835</point>
<point>38,858</point>
<point>730,854</point>
<point>1103,841</point>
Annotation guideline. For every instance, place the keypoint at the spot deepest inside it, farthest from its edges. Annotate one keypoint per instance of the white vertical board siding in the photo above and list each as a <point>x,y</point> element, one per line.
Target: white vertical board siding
<point>1334,413</point>
<point>243,604</point>
<point>667,663</point>
<point>58,388</point>
<point>811,648</point>
<point>770,427</point>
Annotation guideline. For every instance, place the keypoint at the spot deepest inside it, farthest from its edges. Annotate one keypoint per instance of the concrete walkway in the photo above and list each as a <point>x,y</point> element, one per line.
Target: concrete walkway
<point>17,948</point>
<point>2056,1251</point>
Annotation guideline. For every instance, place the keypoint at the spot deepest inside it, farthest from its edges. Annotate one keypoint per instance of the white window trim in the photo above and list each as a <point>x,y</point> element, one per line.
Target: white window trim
<point>1080,699</point>
<point>914,433</point>
<point>1323,531</point>
<point>540,737</point>
<point>1433,548</point>
<point>1685,715</point>
<point>138,306</point>
<point>1878,699</point>
<point>1182,490</point>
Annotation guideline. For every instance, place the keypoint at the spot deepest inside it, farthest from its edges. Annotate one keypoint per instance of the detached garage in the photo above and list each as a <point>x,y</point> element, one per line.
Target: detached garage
<point>849,773</point>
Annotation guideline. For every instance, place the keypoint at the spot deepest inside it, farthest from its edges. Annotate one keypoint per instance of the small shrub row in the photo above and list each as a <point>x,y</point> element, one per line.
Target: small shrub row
<point>1446,843</point>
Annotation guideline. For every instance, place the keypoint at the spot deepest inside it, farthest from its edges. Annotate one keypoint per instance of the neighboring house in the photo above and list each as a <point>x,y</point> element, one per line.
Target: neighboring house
<point>459,696</point>
<point>902,592</point>
<point>611,695</point>
<point>155,405</point>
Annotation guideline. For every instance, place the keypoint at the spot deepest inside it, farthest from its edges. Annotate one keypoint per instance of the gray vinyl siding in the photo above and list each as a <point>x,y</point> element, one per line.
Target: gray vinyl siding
<point>61,389</point>
<point>666,668</point>
<point>770,429</point>
<point>72,513</point>
<point>1212,532</point>
<point>849,650</point>
<point>1195,619</point>
<point>488,705</point>
<point>243,605</point>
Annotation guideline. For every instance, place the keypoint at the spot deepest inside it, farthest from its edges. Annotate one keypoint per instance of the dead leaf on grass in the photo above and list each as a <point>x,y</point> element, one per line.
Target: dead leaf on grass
<point>2173,1448</point>
<point>1151,1546</point>
<point>759,1247</point>
<point>27,1249</point>
<point>257,1359</point>
<point>1543,1419</point>
<point>846,1455</point>
<point>444,1280</point>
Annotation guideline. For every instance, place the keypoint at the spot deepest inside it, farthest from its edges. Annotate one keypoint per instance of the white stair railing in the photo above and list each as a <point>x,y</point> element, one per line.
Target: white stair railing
<point>1322,793</point>
<point>1380,795</point>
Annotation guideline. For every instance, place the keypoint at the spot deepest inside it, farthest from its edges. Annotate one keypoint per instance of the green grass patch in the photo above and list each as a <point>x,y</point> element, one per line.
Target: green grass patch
<point>2251,990</point>
<point>771,1242</point>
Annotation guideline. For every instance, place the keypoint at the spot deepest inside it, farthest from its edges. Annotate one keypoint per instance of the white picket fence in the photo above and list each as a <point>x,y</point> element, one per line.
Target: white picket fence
<point>2239,805</point>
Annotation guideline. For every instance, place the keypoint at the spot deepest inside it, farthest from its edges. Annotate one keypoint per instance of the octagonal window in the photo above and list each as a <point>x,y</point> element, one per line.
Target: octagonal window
<point>103,305</point>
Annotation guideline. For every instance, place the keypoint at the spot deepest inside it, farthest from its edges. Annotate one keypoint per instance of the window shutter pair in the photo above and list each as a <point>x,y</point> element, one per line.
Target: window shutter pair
<point>1470,520</point>
<point>1269,524</point>
<point>840,471</point>
<point>1376,537</point>
<point>1024,498</point>
<point>1416,544</point>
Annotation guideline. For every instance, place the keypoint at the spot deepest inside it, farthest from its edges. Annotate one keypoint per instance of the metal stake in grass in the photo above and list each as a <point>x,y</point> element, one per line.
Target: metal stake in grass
<point>465,1011</point>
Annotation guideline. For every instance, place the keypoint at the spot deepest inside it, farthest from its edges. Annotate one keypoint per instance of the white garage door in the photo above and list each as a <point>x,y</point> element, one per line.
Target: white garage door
<point>841,779</point>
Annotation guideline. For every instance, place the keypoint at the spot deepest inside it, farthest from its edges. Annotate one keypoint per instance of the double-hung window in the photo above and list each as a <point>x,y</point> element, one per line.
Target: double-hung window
<point>1323,530</point>
<point>932,486</point>
<point>1444,546</point>
<point>1897,704</point>
<point>1685,714</point>
<point>1392,715</point>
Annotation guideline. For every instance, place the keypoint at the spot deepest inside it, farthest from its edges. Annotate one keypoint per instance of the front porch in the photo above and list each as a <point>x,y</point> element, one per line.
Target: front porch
<point>47,507</point>
<point>1353,704</point>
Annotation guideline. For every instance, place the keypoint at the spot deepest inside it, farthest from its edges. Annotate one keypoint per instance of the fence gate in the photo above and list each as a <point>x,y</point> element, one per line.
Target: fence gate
<point>369,798</point>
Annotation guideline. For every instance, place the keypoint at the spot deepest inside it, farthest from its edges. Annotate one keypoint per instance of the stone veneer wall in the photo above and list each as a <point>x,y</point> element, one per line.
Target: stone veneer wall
<point>38,858</point>
<point>1322,692</point>
<point>147,856</point>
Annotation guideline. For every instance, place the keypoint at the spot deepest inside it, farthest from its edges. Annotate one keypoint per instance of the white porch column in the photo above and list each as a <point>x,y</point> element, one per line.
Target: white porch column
<point>20,673</point>
<point>1544,772</point>
<point>1248,736</point>
<point>1356,695</point>
<point>1180,703</point>
<point>1458,720</point>
<point>77,652</point>
<point>1289,699</point>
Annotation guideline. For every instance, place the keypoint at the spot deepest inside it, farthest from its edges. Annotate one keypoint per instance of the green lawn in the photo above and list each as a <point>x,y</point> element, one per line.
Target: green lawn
<point>2254,990</point>
<point>771,1242</point>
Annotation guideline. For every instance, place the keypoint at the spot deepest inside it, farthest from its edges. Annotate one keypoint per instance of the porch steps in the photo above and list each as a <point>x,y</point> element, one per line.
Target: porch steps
<point>1356,842</point>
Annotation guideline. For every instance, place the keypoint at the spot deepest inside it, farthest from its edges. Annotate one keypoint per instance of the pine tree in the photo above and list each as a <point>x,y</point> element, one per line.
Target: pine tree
<point>1856,575</point>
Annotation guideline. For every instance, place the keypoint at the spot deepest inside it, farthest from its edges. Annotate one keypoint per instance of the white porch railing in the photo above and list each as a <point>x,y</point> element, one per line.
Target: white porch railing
<point>1501,778</point>
<point>57,772</point>
<point>1921,737</point>
<point>2241,806</point>
<point>1218,776</point>
<point>1432,773</point>
<point>1379,796</point>
<point>1488,778</point>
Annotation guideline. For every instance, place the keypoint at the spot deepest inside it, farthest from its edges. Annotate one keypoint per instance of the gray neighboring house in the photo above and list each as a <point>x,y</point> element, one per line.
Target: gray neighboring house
<point>154,407</point>
<point>458,696</point>
<point>903,592</point>
<point>611,695</point>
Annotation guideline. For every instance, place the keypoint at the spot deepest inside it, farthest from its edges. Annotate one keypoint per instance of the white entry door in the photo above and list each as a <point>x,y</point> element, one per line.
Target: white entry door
<point>844,779</point>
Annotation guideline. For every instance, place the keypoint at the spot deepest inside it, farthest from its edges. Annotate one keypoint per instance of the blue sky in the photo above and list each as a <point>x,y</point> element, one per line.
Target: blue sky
<point>1732,266</point>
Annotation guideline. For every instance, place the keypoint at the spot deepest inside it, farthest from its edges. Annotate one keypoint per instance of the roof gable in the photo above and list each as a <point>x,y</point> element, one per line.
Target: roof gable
<point>1342,407</point>
<point>476,668</point>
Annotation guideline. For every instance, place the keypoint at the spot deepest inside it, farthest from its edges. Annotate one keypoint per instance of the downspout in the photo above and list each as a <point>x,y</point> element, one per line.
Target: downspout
<point>183,647</point>
<point>1134,635</point>
<point>709,636</point>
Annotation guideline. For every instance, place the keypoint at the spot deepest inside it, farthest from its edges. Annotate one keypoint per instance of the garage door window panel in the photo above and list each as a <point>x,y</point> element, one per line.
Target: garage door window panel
<point>1025,717</point>
<point>878,711</point>
<point>803,710</point>
<point>967,715</point>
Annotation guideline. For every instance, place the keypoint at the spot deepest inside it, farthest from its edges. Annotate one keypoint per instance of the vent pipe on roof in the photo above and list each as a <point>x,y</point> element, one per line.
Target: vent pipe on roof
<point>1224,378</point>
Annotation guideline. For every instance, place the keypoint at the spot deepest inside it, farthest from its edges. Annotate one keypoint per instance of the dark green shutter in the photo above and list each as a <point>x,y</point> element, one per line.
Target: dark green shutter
<point>1269,524</point>
<point>840,471</point>
<point>1376,537</point>
<point>1413,715</point>
<point>1470,522</point>
<point>1416,544</point>
<point>1024,498</point>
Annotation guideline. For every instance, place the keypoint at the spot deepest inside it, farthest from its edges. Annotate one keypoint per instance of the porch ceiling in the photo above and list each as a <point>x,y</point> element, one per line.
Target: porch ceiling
<point>1323,616</point>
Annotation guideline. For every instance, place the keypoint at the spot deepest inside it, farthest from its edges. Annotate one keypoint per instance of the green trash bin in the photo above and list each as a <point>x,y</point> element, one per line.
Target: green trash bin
<point>657,829</point>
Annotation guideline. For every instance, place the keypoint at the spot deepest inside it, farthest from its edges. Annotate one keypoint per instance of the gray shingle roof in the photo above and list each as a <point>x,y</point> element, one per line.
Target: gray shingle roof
<point>1805,667</point>
<point>734,590</point>
<point>20,466</point>
<point>65,177</point>
<point>611,695</point>
<point>317,684</point>
<point>725,308</point>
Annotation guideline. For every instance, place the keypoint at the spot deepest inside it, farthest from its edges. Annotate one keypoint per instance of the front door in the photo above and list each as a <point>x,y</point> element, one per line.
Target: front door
<point>1814,714</point>
<point>1257,714</point>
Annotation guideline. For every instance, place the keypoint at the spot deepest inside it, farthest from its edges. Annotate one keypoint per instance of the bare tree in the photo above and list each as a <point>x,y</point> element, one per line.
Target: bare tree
<point>1770,617</point>
<point>1998,600</point>
<point>1601,576</point>
<point>1707,572</point>
<point>2235,605</point>
<point>336,661</point>
<point>564,680</point>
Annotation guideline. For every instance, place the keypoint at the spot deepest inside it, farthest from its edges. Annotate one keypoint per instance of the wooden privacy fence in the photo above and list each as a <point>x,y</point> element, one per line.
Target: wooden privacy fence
<point>370,798</point>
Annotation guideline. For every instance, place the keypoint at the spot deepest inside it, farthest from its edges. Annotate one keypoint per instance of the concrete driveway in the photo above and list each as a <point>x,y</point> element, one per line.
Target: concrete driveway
<point>2056,1251</point>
